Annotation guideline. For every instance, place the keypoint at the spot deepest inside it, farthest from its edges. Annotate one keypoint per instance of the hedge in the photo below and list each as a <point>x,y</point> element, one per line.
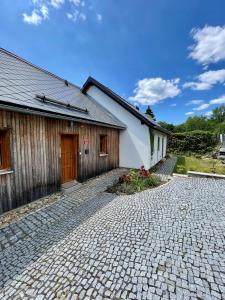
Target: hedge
<point>196,141</point>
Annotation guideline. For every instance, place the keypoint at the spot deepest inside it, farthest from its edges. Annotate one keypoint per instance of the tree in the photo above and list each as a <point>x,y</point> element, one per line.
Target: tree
<point>197,123</point>
<point>220,128</point>
<point>167,126</point>
<point>150,113</point>
<point>218,114</point>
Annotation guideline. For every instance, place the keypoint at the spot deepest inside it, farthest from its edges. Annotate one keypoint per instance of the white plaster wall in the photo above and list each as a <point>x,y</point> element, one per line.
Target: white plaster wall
<point>161,152</point>
<point>135,140</point>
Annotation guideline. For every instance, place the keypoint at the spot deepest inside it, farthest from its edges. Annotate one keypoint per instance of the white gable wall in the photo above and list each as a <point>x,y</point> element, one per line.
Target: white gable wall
<point>135,140</point>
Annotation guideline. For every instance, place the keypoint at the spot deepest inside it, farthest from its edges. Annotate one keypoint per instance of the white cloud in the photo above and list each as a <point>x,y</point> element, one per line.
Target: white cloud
<point>194,102</point>
<point>42,8</point>
<point>220,100</point>
<point>75,2</point>
<point>34,18</point>
<point>150,91</point>
<point>73,16</point>
<point>209,44</point>
<point>82,16</point>
<point>189,113</point>
<point>201,107</point>
<point>99,17</point>
<point>44,11</point>
<point>76,15</point>
<point>173,105</point>
<point>56,3</point>
<point>198,86</point>
<point>207,80</point>
<point>208,113</point>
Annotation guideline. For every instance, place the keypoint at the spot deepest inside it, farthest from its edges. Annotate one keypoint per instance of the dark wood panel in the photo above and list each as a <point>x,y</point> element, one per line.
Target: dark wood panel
<point>35,144</point>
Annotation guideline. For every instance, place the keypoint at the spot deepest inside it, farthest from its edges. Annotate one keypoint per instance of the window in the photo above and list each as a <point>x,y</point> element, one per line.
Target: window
<point>4,149</point>
<point>158,143</point>
<point>103,144</point>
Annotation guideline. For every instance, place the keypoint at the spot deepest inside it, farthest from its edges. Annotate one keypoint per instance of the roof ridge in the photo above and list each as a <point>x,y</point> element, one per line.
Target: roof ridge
<point>35,66</point>
<point>122,101</point>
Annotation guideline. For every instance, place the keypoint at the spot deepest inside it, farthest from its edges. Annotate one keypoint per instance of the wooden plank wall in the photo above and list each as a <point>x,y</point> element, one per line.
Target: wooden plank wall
<point>35,156</point>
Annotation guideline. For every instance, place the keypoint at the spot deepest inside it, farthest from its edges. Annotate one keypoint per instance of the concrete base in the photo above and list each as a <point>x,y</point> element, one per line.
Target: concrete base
<point>205,175</point>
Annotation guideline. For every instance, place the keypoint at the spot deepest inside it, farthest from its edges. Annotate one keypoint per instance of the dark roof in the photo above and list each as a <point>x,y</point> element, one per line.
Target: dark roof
<point>132,109</point>
<point>23,85</point>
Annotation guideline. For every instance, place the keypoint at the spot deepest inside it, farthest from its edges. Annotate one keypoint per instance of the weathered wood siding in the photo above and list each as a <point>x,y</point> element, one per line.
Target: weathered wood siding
<point>35,156</point>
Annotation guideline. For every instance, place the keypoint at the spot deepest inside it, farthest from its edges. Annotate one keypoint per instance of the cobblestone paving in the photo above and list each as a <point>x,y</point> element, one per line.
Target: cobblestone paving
<point>40,220</point>
<point>165,170</point>
<point>166,243</point>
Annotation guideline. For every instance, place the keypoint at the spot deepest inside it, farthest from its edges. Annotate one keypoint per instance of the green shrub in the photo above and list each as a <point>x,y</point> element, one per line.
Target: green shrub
<point>193,168</point>
<point>197,141</point>
<point>137,181</point>
<point>127,189</point>
<point>152,181</point>
<point>181,169</point>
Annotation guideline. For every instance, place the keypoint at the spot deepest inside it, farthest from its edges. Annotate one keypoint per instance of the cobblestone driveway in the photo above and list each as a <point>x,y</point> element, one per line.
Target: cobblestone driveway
<point>166,243</point>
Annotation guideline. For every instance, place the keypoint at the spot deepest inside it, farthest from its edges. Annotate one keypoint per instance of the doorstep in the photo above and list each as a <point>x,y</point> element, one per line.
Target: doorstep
<point>70,187</point>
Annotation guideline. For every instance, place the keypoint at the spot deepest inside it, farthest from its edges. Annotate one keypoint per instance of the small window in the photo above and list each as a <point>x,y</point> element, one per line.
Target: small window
<point>103,144</point>
<point>158,143</point>
<point>4,149</point>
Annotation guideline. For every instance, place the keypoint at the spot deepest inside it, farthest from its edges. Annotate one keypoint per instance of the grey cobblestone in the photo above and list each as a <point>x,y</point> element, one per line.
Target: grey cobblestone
<point>165,169</point>
<point>164,243</point>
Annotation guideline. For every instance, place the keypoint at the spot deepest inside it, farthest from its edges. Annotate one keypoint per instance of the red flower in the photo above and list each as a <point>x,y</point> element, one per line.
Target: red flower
<point>128,179</point>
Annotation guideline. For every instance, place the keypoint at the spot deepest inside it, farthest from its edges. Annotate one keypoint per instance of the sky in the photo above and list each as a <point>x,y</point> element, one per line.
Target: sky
<point>166,54</point>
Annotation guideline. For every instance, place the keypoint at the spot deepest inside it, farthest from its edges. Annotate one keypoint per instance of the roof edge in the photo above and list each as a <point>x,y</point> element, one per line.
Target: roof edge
<point>44,113</point>
<point>93,82</point>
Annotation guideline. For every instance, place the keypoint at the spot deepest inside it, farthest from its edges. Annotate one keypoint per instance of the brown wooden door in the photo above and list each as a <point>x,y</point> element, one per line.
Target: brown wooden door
<point>68,158</point>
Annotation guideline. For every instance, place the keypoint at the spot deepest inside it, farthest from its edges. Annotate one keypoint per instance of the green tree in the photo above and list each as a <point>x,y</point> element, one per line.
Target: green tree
<point>197,123</point>
<point>167,126</point>
<point>150,113</point>
<point>220,128</point>
<point>218,114</point>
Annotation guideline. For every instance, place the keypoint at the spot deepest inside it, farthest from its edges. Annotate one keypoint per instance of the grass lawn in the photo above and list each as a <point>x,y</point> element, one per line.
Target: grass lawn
<point>191,163</point>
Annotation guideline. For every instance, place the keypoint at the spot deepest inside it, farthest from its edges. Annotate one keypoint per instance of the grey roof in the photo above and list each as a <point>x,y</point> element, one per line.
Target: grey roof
<point>21,82</point>
<point>132,109</point>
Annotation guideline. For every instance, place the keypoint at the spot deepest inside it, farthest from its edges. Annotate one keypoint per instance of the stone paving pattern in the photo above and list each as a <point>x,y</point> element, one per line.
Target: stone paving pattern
<point>165,243</point>
<point>165,170</point>
<point>39,220</point>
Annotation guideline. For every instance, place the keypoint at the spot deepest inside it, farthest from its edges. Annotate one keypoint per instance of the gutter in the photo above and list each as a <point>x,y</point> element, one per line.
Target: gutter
<point>25,110</point>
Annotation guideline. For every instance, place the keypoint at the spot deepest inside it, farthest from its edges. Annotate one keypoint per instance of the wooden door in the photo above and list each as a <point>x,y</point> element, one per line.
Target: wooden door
<point>68,158</point>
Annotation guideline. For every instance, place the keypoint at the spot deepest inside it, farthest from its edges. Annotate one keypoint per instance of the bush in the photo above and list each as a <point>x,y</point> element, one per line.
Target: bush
<point>181,169</point>
<point>197,141</point>
<point>152,181</point>
<point>137,181</point>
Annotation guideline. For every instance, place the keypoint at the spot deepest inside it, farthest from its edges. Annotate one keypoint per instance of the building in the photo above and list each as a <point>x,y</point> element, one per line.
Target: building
<point>52,132</point>
<point>143,142</point>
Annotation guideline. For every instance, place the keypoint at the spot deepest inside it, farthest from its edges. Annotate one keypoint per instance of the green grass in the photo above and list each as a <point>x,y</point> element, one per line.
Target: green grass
<point>206,165</point>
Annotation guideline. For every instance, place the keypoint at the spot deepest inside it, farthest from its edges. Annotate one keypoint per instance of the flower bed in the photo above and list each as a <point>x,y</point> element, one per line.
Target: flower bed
<point>135,181</point>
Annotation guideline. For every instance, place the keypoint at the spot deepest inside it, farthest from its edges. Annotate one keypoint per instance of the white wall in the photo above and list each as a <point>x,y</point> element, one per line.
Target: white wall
<point>135,140</point>
<point>161,152</point>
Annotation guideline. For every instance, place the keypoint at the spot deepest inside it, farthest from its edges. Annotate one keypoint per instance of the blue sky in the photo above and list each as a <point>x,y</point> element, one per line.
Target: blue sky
<point>169,54</point>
